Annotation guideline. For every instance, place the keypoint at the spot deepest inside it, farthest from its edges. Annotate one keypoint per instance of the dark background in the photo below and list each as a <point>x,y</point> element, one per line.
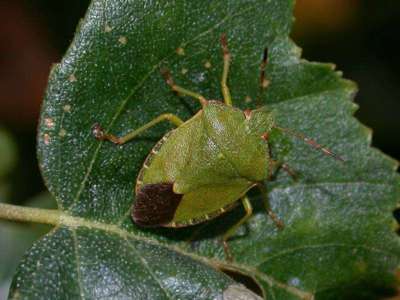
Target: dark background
<point>360,36</point>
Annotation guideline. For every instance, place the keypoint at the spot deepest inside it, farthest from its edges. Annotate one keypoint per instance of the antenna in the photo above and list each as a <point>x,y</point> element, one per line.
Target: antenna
<point>311,142</point>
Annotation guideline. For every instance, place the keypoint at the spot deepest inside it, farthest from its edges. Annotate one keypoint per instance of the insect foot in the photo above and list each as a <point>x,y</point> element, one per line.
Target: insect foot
<point>99,134</point>
<point>279,224</point>
<point>227,251</point>
<point>97,131</point>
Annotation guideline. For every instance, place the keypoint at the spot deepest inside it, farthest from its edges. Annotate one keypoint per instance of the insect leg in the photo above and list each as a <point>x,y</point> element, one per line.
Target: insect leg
<point>180,90</point>
<point>288,170</point>
<point>278,164</point>
<point>227,60</point>
<point>99,133</point>
<point>275,165</point>
<point>267,206</point>
<point>249,210</point>
<point>264,82</point>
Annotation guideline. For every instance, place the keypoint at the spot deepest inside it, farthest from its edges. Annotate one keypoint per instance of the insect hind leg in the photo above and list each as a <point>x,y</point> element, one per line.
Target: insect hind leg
<point>276,165</point>
<point>227,59</point>
<point>231,231</point>
<point>267,206</point>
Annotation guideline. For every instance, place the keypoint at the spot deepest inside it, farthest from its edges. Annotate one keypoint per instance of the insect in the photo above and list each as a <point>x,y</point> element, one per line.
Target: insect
<point>206,165</point>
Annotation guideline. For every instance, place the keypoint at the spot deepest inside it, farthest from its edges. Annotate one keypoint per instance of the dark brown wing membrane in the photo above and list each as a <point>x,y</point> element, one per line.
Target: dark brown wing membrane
<point>155,204</point>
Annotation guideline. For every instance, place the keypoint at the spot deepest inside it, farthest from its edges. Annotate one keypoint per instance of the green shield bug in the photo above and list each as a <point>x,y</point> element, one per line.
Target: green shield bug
<point>223,153</point>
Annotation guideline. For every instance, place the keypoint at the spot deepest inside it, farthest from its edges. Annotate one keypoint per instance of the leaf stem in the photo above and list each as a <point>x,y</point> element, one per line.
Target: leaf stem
<point>29,214</point>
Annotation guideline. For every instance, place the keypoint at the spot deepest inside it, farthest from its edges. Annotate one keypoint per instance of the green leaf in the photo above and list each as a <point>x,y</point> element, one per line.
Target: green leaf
<point>339,239</point>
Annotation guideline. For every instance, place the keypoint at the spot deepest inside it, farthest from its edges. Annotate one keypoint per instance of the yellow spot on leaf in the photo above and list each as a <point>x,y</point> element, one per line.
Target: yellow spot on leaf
<point>49,122</point>
<point>180,51</point>
<point>207,64</point>
<point>62,133</point>
<point>265,83</point>
<point>46,139</point>
<point>123,40</point>
<point>72,78</point>
<point>67,108</point>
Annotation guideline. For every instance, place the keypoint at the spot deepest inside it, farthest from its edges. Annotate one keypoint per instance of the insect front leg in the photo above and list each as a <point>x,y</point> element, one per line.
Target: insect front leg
<point>227,60</point>
<point>249,211</point>
<point>99,133</point>
<point>274,166</point>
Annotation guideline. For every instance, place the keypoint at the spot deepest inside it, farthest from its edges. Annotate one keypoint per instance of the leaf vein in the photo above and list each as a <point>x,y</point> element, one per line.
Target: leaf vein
<point>77,260</point>
<point>149,270</point>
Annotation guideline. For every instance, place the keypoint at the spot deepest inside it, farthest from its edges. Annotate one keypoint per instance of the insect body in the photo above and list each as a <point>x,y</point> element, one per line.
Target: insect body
<point>209,162</point>
<point>203,167</point>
